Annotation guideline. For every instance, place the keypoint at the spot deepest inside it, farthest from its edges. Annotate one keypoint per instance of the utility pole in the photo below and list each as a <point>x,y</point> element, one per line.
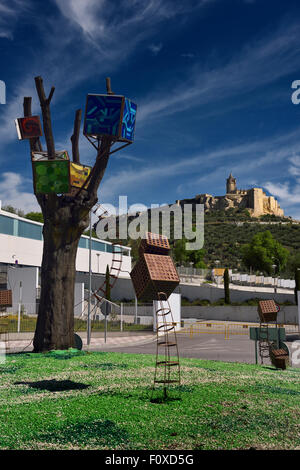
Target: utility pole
<point>19,308</point>
<point>90,284</point>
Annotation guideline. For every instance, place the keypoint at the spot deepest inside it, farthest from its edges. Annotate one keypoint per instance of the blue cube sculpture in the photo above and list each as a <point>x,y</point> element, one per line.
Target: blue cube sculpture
<point>110,115</point>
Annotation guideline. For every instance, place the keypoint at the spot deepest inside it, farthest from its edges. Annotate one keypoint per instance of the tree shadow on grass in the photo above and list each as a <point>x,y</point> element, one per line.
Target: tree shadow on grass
<point>55,385</point>
<point>277,390</point>
<point>97,434</point>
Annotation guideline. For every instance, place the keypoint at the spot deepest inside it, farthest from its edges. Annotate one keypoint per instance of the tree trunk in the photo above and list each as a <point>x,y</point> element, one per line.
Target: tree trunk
<point>55,325</point>
<point>65,219</point>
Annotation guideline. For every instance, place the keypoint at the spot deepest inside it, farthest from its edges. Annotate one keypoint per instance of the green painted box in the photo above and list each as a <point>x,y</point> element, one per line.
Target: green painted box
<point>51,176</point>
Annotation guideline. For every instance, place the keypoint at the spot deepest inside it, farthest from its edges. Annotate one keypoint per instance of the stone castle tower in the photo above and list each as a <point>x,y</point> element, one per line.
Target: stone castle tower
<point>231,184</point>
<point>254,200</point>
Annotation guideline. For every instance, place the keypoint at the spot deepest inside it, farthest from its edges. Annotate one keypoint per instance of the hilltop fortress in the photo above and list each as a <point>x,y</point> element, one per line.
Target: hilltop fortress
<point>254,200</point>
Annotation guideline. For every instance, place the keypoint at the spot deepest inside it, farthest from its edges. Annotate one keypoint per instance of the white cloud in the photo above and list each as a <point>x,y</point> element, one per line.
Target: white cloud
<point>110,33</point>
<point>260,63</point>
<point>10,11</point>
<point>155,48</point>
<point>11,193</point>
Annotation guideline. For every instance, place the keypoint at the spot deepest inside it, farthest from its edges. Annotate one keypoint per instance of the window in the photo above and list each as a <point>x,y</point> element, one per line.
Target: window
<point>98,246</point>
<point>6,225</point>
<point>28,230</point>
<point>83,243</point>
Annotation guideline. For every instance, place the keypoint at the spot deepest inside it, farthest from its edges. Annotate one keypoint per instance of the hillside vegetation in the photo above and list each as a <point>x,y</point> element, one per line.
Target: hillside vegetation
<point>226,232</point>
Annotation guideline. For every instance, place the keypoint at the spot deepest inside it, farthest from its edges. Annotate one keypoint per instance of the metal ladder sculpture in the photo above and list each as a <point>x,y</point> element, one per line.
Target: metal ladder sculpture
<point>114,271</point>
<point>264,342</point>
<point>267,310</point>
<point>167,371</point>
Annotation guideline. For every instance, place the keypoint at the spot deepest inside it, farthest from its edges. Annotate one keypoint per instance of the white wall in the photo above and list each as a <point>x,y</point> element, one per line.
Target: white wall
<point>78,298</point>
<point>29,252</point>
<point>29,278</point>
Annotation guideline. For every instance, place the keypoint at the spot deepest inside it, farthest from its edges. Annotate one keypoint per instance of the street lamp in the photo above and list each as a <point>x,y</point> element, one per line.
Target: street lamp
<point>98,261</point>
<point>274,266</point>
<point>217,262</point>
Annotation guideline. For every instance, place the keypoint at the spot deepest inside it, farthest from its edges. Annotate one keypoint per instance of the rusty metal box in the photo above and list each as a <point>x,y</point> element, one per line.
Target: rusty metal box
<point>267,310</point>
<point>154,243</point>
<point>279,358</point>
<point>6,298</point>
<point>153,274</point>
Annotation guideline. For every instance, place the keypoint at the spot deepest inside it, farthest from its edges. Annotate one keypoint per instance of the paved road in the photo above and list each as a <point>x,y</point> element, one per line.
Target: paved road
<point>203,346</point>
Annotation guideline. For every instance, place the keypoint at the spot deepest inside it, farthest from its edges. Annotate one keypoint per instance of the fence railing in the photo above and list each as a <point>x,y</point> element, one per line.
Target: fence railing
<point>228,329</point>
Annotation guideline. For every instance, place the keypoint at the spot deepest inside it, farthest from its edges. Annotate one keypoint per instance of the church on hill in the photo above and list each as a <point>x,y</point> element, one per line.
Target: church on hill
<point>254,200</point>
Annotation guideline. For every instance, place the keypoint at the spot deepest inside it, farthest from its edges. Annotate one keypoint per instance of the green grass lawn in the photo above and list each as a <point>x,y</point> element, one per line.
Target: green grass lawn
<point>102,401</point>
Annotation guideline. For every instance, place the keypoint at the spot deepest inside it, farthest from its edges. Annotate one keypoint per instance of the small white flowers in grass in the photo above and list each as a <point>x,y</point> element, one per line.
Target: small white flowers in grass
<point>2,352</point>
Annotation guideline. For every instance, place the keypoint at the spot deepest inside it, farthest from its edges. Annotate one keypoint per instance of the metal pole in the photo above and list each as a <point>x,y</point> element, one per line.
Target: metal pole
<point>136,310</point>
<point>19,308</point>
<point>105,329</point>
<point>298,297</point>
<point>256,361</point>
<point>121,316</point>
<point>90,284</point>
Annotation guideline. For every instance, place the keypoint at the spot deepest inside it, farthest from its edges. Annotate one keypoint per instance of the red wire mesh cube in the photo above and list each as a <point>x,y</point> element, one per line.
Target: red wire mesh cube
<point>6,298</point>
<point>267,310</point>
<point>155,243</point>
<point>153,274</point>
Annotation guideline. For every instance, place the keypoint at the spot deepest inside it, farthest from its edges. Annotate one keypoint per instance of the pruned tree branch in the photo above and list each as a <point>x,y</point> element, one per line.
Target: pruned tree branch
<point>75,137</point>
<point>108,86</point>
<point>35,143</point>
<point>45,107</point>
<point>50,95</point>
<point>99,168</point>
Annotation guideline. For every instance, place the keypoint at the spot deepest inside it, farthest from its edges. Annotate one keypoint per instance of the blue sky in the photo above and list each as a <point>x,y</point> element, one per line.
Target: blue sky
<point>211,78</point>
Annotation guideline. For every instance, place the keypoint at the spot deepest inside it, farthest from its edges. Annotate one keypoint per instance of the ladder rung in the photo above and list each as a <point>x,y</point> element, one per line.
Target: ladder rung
<point>170,326</point>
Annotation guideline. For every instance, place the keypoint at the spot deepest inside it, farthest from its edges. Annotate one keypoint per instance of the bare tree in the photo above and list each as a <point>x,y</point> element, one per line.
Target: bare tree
<point>65,219</point>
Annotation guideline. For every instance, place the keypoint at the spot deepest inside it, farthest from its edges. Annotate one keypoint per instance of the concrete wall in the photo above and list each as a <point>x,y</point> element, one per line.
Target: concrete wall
<point>29,278</point>
<point>213,294</point>
<point>123,289</point>
<point>287,314</point>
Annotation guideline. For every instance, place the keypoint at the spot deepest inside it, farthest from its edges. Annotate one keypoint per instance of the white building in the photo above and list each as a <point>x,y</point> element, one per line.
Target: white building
<point>21,246</point>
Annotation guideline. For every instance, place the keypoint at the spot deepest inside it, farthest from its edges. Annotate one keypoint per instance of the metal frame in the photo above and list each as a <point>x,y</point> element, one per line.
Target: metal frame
<point>117,138</point>
<point>167,371</point>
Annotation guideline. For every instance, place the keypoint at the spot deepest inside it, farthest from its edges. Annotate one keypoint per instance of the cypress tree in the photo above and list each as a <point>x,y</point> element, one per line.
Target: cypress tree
<point>226,286</point>
<point>297,282</point>
<point>107,284</point>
